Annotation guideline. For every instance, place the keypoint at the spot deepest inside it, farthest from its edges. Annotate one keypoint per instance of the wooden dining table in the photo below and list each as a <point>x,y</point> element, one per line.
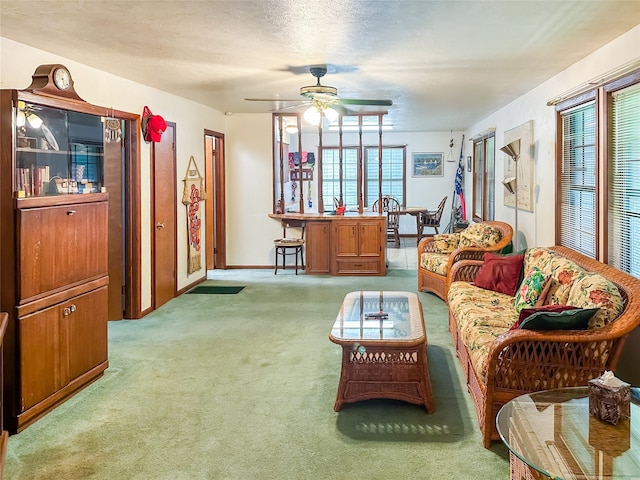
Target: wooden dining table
<point>415,211</point>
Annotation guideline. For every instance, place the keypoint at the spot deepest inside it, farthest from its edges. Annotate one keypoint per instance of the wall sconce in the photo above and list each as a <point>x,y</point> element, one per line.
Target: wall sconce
<point>511,183</point>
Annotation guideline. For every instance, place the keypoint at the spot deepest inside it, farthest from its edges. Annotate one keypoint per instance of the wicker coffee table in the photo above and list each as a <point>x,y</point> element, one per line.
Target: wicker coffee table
<point>384,349</point>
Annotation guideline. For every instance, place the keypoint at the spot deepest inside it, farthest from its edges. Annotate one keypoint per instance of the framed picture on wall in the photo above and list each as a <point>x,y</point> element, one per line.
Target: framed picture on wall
<point>427,164</point>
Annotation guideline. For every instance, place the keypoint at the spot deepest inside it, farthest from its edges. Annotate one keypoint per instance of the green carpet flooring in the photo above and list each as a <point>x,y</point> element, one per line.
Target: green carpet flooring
<point>243,386</point>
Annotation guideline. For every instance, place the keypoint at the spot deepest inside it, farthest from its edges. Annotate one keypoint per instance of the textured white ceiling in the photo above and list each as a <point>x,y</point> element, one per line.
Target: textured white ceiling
<point>445,64</point>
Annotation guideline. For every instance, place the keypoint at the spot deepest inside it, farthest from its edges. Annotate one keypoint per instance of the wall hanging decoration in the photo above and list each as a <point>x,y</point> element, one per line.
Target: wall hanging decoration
<point>153,126</point>
<point>525,167</point>
<point>427,165</point>
<point>192,196</point>
<point>112,129</point>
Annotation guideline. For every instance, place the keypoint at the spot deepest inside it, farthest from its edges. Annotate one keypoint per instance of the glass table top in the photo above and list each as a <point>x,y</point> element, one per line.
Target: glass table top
<point>553,432</point>
<point>379,316</point>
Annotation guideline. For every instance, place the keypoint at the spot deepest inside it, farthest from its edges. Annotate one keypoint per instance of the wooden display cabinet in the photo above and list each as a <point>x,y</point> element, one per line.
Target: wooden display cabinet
<point>54,254</point>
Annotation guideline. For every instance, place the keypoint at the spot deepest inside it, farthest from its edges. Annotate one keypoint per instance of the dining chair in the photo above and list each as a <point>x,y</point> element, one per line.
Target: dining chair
<point>430,219</point>
<point>391,207</point>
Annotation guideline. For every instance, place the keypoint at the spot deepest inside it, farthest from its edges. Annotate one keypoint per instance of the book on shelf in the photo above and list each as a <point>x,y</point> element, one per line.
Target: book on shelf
<point>33,181</point>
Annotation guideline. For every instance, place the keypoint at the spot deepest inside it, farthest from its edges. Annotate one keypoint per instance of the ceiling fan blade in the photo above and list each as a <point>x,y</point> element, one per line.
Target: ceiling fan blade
<point>271,100</point>
<point>341,110</point>
<point>353,101</point>
<point>291,107</point>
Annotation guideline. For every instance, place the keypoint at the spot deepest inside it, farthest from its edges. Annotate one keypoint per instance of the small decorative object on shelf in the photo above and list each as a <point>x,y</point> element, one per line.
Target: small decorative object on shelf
<point>609,398</point>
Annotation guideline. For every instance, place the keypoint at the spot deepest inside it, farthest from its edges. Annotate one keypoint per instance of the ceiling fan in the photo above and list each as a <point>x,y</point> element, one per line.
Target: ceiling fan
<point>324,96</point>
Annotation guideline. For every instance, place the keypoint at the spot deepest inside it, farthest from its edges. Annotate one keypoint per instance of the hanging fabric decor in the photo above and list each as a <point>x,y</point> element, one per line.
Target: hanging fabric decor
<point>112,129</point>
<point>192,196</point>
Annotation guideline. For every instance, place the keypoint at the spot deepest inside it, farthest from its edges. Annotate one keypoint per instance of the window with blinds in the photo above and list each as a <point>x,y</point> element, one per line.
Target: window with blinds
<point>393,161</point>
<point>578,179</point>
<point>331,175</point>
<point>393,174</point>
<point>484,178</point>
<point>624,180</point>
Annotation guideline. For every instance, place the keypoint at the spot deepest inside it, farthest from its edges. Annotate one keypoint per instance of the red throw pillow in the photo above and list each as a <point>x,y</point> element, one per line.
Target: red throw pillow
<point>527,312</point>
<point>500,273</point>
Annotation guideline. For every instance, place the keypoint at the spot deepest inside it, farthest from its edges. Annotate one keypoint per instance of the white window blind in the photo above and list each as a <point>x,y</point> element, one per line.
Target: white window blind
<point>624,181</point>
<point>331,176</point>
<point>393,168</point>
<point>393,160</point>
<point>577,196</point>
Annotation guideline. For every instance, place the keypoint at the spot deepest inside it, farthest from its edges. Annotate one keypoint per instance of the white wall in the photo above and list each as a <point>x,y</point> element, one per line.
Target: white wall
<point>537,228</point>
<point>249,188</point>
<point>17,64</point>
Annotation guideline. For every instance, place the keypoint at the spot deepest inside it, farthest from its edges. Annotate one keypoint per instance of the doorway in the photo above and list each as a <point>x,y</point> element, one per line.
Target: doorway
<point>163,270</point>
<point>215,229</point>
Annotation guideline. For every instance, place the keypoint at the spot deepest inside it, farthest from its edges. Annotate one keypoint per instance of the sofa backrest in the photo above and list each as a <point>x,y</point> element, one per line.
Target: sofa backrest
<point>481,235</point>
<point>571,284</point>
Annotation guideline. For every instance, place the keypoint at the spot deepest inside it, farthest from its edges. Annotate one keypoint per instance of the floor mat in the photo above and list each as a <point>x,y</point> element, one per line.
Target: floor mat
<point>213,289</point>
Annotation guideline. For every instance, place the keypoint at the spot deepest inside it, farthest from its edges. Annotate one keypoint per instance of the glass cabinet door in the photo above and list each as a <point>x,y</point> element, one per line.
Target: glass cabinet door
<point>57,151</point>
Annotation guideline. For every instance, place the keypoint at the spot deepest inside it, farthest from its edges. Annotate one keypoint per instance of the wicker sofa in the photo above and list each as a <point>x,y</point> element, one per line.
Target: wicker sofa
<point>501,362</point>
<point>436,254</point>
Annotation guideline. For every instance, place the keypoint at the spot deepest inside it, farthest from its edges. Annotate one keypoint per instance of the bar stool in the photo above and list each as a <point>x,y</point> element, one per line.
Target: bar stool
<point>290,246</point>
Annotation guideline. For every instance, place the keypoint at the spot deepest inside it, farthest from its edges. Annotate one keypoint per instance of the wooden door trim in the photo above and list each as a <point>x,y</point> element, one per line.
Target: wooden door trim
<point>219,258</point>
<point>132,224</point>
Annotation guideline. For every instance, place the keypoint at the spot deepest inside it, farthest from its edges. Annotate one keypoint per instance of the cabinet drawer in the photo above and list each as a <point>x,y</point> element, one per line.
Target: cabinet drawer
<point>358,266</point>
<point>59,246</point>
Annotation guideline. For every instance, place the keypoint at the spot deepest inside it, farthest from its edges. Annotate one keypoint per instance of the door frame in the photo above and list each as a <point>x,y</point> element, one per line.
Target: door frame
<point>215,206</point>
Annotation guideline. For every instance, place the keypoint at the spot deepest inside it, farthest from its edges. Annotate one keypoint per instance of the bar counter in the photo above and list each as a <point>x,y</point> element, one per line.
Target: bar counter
<point>349,244</point>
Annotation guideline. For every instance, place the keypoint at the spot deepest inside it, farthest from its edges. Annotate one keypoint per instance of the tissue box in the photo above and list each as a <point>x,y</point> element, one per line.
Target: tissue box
<point>609,404</point>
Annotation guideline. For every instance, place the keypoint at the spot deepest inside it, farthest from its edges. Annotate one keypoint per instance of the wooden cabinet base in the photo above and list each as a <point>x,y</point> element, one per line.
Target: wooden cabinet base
<point>349,244</point>
<point>29,416</point>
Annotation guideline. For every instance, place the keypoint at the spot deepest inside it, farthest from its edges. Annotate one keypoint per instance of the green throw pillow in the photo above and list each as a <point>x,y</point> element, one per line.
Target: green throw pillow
<point>531,289</point>
<point>576,319</point>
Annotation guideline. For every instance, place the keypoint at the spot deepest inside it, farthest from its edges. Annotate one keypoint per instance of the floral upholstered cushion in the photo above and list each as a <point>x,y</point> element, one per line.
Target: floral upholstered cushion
<point>532,289</point>
<point>592,290</point>
<point>539,257</point>
<point>479,235</point>
<point>446,242</point>
<point>435,262</point>
<point>563,273</point>
<point>562,270</point>
<point>482,315</point>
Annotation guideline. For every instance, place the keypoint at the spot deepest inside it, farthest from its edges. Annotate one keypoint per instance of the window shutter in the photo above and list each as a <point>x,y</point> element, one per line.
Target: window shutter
<point>577,196</point>
<point>624,181</point>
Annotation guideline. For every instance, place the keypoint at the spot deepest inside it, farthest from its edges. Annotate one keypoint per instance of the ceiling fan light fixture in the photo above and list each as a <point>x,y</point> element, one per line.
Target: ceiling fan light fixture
<point>312,115</point>
<point>331,114</point>
<point>312,90</point>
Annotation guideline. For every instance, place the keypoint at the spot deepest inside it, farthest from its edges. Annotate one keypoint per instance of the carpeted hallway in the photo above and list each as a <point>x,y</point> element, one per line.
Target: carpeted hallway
<point>242,387</point>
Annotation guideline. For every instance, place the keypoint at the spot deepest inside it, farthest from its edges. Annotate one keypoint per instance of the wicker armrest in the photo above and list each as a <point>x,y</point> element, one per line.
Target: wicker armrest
<point>547,359</point>
<point>425,245</point>
<point>464,270</point>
